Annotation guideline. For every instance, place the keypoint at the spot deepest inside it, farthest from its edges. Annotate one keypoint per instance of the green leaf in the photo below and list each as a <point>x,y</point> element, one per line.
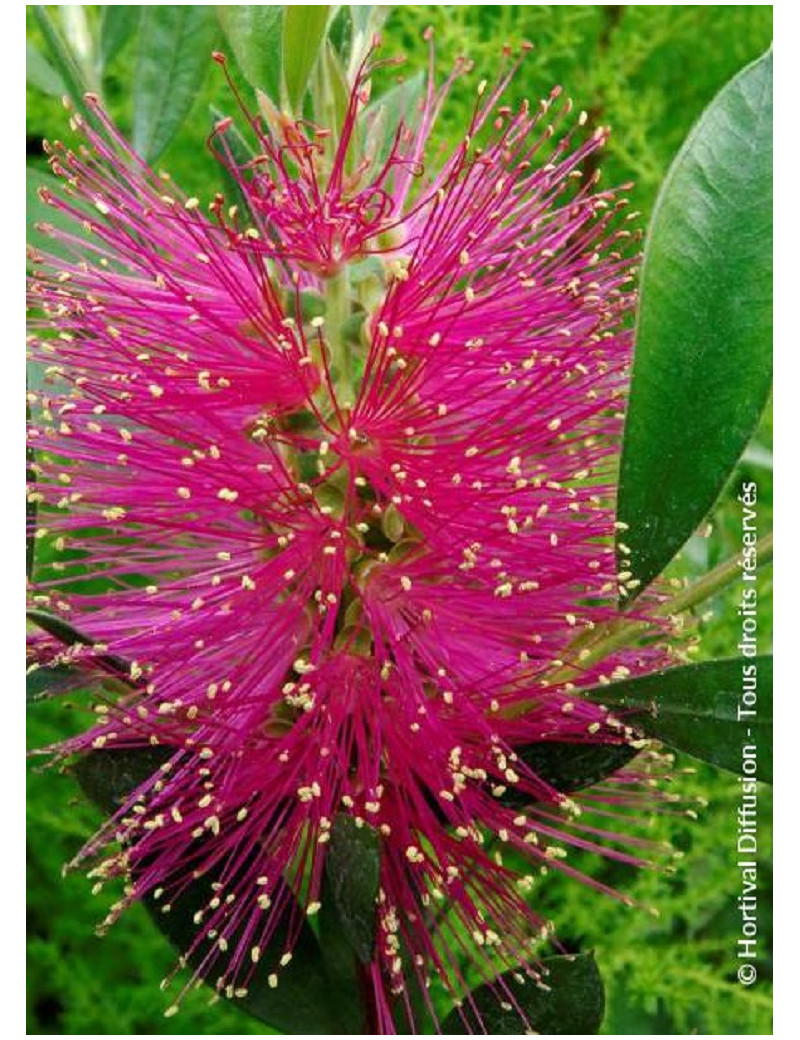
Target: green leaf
<point>254,31</point>
<point>38,212</point>
<point>40,73</point>
<point>62,58</point>
<point>337,90</point>
<point>703,361</point>
<point>367,20</point>
<point>108,777</point>
<point>570,767</point>
<point>361,14</point>
<point>352,873</point>
<point>240,153</point>
<point>118,24</point>
<point>47,682</point>
<point>79,39</point>
<point>58,628</point>
<point>174,54</point>
<point>303,34</point>
<point>383,116</point>
<point>66,633</point>
<point>571,1000</point>
<point>304,1000</point>
<point>696,708</point>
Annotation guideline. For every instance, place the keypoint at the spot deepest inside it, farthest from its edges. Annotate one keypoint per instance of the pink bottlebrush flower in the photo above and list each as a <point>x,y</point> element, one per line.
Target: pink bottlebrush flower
<point>353,561</point>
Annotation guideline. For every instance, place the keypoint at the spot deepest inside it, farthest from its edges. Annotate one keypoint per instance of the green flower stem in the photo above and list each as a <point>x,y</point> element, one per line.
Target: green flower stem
<point>592,647</point>
<point>723,574</point>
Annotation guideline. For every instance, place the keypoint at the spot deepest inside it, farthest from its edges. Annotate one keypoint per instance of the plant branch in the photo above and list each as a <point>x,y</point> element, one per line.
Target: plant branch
<point>589,648</point>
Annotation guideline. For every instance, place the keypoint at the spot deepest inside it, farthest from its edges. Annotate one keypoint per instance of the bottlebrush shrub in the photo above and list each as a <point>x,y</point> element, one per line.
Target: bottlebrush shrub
<point>336,461</point>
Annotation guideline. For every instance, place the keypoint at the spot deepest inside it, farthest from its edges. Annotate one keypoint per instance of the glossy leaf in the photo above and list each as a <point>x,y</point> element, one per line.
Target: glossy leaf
<point>58,628</point>
<point>703,361</point>
<point>303,34</point>
<point>696,709</point>
<point>40,73</point>
<point>304,1000</point>
<point>570,767</point>
<point>255,33</point>
<point>570,1000</point>
<point>67,634</point>
<point>108,777</point>
<point>118,25</point>
<point>352,873</point>
<point>174,55</point>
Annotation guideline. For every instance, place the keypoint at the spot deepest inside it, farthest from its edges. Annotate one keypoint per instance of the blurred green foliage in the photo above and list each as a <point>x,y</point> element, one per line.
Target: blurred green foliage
<point>647,71</point>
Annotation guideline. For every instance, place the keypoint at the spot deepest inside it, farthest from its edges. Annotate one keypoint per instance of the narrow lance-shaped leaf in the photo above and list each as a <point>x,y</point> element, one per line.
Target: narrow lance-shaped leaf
<point>367,22</point>
<point>255,32</point>
<point>352,873</point>
<point>303,33</point>
<point>718,711</point>
<point>61,57</point>
<point>80,40</point>
<point>569,766</point>
<point>175,45</point>
<point>40,73</point>
<point>118,25</point>
<point>67,634</point>
<point>383,116</point>
<point>304,1001</point>
<point>703,363</point>
<point>569,999</point>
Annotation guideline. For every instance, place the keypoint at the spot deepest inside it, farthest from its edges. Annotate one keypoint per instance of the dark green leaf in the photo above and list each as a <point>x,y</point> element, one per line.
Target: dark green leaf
<point>340,31</point>
<point>118,25</point>
<point>40,73</point>
<point>175,45</point>
<point>66,633</point>
<point>59,629</point>
<point>352,872</point>
<point>108,777</point>
<point>696,709</point>
<point>303,33</point>
<point>703,362</point>
<point>47,682</point>
<point>570,767</point>
<point>571,999</point>
<point>304,1001</point>
<point>255,31</point>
